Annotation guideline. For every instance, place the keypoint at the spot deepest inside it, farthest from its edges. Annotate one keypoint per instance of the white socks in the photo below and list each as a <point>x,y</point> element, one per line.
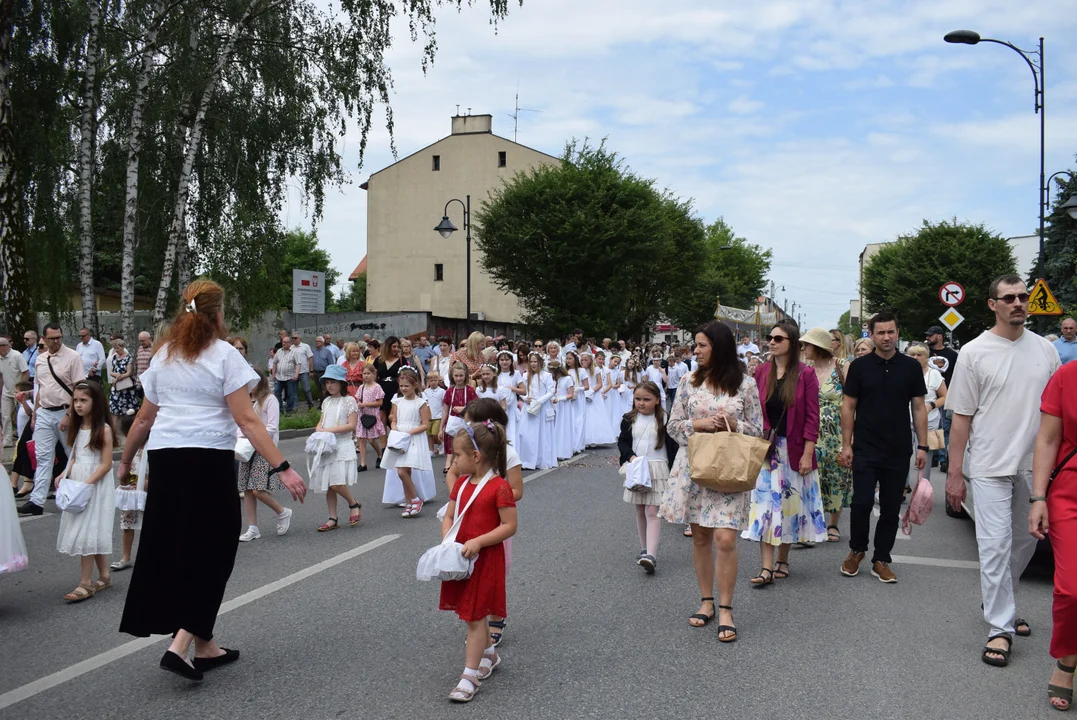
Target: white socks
<point>470,681</point>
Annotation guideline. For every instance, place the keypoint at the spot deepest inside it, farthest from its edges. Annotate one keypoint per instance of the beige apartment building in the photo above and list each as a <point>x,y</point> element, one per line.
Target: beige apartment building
<point>410,267</point>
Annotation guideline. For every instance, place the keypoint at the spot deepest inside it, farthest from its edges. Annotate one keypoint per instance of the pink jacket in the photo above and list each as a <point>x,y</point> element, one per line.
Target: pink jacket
<point>801,420</point>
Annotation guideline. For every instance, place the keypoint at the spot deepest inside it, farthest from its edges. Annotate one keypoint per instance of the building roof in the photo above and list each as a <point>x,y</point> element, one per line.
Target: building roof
<point>365,185</point>
<point>359,270</point>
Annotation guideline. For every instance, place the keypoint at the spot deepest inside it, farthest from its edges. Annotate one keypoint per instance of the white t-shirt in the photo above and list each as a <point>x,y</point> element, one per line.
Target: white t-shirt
<point>750,347</point>
<point>436,400</point>
<point>654,374</point>
<point>933,379</point>
<point>512,458</point>
<point>674,375</point>
<point>22,417</point>
<point>191,397</point>
<point>93,356</point>
<point>999,384</point>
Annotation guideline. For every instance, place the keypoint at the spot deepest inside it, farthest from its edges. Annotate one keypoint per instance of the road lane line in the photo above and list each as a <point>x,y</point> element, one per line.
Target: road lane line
<point>48,682</point>
<point>547,471</point>
<point>31,518</point>
<point>936,562</point>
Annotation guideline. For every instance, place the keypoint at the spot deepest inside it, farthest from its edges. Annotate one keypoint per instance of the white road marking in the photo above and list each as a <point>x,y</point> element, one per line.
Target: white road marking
<point>937,562</point>
<point>81,668</point>
<point>547,471</point>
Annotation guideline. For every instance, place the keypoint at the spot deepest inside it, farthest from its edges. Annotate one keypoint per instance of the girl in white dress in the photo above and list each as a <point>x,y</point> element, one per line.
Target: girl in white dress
<point>578,401</point>
<point>614,398</point>
<point>88,534</point>
<point>632,380</point>
<point>509,378</point>
<point>563,423</point>
<point>411,414</point>
<point>12,546</point>
<point>596,423</point>
<point>536,424</point>
<point>488,386</point>
<point>338,469</point>
<point>643,434</point>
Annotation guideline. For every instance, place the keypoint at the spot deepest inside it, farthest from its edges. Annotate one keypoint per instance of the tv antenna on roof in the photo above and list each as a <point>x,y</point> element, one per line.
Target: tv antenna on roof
<point>516,114</point>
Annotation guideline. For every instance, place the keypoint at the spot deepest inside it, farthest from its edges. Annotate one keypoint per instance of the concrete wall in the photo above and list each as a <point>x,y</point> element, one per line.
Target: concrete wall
<point>262,335</point>
<point>406,200</point>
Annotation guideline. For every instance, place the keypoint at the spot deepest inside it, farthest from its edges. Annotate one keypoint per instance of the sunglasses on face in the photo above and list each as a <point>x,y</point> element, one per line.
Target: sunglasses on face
<point>1010,298</point>
<point>776,339</point>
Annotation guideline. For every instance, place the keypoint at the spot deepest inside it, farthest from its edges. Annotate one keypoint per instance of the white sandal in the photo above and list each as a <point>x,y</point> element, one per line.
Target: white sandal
<point>460,695</point>
<point>486,671</point>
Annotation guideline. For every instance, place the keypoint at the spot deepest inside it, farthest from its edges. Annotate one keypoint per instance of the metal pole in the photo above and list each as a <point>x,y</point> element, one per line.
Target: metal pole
<point>467,228</point>
<point>1043,182</point>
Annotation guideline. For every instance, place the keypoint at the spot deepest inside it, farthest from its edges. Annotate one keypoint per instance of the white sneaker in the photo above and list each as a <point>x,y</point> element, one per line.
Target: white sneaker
<point>251,534</point>
<point>284,521</point>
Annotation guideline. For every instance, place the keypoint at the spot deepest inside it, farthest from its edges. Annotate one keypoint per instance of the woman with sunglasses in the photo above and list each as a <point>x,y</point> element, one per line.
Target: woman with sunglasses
<point>786,505</point>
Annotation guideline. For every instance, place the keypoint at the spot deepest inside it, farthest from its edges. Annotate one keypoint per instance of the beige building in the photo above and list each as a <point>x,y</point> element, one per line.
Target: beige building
<point>410,267</point>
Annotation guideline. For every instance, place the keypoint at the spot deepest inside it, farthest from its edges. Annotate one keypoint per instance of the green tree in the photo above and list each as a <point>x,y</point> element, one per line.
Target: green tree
<point>1060,248</point>
<point>846,326</point>
<point>731,269</point>
<point>905,276</point>
<point>588,243</point>
<point>353,296</point>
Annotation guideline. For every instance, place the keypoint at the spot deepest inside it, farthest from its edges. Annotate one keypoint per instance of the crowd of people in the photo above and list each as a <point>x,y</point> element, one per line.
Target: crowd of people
<point>847,425</point>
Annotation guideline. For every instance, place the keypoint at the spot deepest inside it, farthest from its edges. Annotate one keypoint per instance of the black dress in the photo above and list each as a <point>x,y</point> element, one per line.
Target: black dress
<point>387,378</point>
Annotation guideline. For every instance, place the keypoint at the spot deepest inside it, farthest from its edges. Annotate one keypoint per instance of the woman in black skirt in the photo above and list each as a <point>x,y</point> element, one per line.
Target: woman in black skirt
<point>197,391</point>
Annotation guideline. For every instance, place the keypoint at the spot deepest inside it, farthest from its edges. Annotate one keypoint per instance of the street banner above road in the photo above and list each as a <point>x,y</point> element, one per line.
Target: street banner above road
<point>1041,301</point>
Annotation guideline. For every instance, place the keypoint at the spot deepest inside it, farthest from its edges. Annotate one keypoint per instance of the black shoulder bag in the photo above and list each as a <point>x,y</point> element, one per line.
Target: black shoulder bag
<point>1057,470</point>
<point>61,383</point>
<point>367,421</point>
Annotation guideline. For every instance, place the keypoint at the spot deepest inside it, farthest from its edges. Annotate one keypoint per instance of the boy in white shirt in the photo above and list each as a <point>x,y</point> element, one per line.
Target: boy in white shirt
<point>655,373</point>
<point>435,399</point>
<point>674,373</point>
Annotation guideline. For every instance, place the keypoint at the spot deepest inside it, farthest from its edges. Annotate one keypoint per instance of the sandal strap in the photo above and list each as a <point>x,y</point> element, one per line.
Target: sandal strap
<point>706,599</point>
<point>831,527</point>
<point>725,607</point>
<point>496,623</point>
<point>1065,668</point>
<point>356,506</point>
<point>782,562</point>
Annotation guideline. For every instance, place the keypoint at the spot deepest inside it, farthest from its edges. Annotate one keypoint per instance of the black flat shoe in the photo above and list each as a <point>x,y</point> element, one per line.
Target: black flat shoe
<point>207,664</point>
<point>173,663</point>
<point>29,508</point>
<point>362,468</point>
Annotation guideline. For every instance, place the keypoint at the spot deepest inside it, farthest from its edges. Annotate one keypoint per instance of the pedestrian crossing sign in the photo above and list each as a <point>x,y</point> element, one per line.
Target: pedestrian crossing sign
<point>951,318</point>
<point>1041,301</point>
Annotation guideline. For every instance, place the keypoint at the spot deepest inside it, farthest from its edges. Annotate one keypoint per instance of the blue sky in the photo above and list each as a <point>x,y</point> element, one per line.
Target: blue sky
<point>812,126</point>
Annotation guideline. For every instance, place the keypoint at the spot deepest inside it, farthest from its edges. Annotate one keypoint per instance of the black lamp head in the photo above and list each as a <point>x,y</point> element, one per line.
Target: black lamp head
<point>962,37</point>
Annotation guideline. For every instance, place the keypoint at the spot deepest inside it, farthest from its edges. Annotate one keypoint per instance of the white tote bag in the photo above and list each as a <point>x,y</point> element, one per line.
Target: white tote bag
<point>453,425</point>
<point>73,496</point>
<point>638,475</point>
<point>446,561</point>
<point>319,445</point>
<point>398,440</point>
<point>244,450</point>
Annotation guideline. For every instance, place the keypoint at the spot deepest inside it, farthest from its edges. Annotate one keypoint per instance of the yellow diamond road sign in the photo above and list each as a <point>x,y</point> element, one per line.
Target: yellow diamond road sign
<point>951,318</point>
<point>1042,301</point>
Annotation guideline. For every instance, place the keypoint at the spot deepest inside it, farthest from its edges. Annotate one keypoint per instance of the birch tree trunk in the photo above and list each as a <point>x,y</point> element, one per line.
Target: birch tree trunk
<point>87,130</point>
<point>17,315</point>
<point>134,154</point>
<point>177,230</point>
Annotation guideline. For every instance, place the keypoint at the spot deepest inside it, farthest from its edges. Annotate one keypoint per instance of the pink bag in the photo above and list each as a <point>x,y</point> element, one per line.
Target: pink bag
<point>923,498</point>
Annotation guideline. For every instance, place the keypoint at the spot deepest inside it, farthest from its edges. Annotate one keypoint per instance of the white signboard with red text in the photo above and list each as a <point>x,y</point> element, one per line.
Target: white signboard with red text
<point>308,292</point>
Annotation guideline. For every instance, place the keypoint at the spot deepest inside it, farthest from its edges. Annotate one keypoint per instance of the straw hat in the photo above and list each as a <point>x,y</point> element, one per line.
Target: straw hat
<point>818,337</point>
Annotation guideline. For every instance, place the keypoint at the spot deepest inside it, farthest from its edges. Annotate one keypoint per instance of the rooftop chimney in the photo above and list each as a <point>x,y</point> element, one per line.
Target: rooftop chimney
<point>471,124</point>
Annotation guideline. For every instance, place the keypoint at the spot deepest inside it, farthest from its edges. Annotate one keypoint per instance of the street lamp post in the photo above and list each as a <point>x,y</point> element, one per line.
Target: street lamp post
<point>446,229</point>
<point>968,37</point>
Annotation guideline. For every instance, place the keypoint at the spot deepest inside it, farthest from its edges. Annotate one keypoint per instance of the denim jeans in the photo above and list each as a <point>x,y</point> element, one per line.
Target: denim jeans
<point>304,382</point>
<point>942,455</point>
<point>285,392</point>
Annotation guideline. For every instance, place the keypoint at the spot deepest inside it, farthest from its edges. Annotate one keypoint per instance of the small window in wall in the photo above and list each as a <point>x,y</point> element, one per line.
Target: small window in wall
<point>502,159</point>
<point>439,271</point>
<point>437,163</point>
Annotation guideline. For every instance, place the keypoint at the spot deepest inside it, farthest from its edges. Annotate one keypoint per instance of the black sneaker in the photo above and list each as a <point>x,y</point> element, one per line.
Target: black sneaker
<point>30,508</point>
<point>648,563</point>
<point>944,466</point>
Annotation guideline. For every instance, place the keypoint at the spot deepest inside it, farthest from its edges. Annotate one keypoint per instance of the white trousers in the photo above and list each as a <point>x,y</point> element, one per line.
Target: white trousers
<point>1004,543</point>
<point>46,434</point>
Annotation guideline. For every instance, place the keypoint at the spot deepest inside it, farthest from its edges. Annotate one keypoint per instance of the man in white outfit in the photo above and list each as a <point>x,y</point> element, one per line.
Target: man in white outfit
<point>995,397</point>
<point>57,372</point>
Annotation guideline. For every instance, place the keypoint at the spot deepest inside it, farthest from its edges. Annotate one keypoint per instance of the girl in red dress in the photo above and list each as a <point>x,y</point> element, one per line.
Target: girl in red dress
<point>479,453</point>
<point>457,397</point>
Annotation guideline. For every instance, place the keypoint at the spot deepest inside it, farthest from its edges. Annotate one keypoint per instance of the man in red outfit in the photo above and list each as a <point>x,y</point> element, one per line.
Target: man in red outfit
<point>1055,465</point>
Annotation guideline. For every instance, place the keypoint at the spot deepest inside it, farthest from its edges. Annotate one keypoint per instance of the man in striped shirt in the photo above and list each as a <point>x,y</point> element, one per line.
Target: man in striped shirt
<point>285,365</point>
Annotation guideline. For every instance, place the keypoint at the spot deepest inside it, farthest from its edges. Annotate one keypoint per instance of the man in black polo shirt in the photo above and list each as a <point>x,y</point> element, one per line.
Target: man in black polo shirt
<point>875,415</point>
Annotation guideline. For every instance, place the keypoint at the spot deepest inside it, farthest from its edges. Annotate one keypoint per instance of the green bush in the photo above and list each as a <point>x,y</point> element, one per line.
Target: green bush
<point>301,421</point>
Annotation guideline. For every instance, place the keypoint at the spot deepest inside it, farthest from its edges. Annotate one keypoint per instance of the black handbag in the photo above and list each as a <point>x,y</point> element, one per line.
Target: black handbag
<point>367,421</point>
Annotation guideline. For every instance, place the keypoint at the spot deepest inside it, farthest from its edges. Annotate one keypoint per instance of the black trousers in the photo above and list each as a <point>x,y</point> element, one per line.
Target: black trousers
<point>190,534</point>
<point>889,477</point>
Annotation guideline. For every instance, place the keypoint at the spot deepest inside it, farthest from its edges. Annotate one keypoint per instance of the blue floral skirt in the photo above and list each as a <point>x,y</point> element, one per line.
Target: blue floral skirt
<point>786,506</point>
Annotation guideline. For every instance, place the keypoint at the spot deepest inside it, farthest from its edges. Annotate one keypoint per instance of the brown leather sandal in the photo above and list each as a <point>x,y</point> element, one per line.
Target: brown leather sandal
<point>84,591</point>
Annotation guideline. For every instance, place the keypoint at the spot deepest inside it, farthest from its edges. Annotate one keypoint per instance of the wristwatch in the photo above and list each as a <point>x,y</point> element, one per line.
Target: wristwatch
<point>925,448</point>
<point>933,405</point>
<point>280,468</point>
<point>1037,498</point>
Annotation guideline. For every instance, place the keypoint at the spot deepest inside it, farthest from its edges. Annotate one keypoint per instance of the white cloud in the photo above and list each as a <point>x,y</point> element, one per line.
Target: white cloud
<point>745,106</point>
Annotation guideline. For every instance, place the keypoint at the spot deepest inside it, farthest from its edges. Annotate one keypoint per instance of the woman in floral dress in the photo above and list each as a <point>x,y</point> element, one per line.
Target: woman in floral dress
<point>717,397</point>
<point>835,480</point>
<point>124,394</point>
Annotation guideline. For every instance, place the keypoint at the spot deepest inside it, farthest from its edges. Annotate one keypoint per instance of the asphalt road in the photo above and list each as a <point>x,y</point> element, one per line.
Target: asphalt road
<point>334,625</point>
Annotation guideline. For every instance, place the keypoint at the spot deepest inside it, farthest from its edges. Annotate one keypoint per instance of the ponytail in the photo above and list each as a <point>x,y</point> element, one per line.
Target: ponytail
<point>196,325</point>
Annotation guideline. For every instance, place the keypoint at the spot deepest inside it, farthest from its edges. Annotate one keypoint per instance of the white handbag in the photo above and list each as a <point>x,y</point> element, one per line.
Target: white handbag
<point>398,440</point>
<point>129,500</point>
<point>446,560</point>
<point>319,444</point>
<point>534,407</point>
<point>73,496</point>
<point>244,450</point>
<point>453,425</point>
<point>638,475</point>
